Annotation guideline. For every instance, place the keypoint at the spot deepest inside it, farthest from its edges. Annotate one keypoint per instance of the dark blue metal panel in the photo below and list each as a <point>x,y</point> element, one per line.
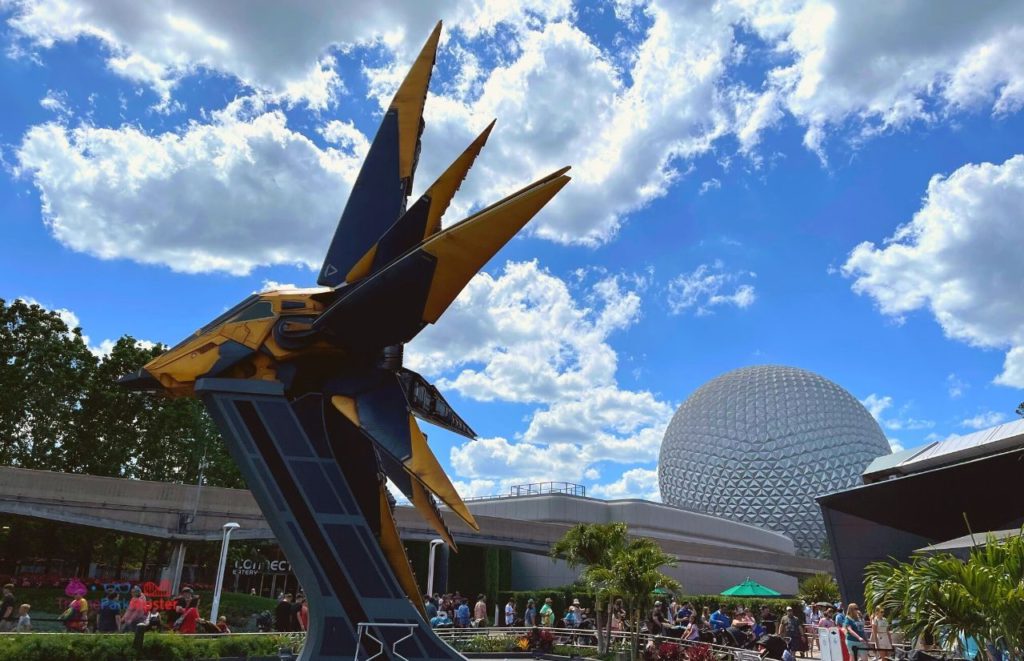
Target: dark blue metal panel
<point>384,309</point>
<point>376,201</point>
<point>322,526</point>
<point>404,235</point>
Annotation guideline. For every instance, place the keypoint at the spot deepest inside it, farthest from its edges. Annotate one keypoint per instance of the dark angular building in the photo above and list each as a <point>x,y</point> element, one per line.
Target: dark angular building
<point>925,496</point>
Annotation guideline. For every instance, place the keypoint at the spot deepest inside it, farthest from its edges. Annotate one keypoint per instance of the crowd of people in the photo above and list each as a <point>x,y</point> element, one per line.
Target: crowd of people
<point>452,610</point>
<point>739,626</point>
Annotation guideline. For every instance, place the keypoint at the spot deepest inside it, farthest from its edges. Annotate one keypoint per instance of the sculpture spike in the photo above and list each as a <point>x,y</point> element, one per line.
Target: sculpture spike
<point>424,466</point>
<point>443,190</point>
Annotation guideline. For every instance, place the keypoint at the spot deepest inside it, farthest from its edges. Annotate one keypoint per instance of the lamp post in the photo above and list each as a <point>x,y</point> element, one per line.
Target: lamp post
<point>434,543</point>
<point>228,529</point>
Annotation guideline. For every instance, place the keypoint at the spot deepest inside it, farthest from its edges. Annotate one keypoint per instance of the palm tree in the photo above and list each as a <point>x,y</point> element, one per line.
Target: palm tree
<point>593,545</point>
<point>634,574</point>
<point>946,597</point>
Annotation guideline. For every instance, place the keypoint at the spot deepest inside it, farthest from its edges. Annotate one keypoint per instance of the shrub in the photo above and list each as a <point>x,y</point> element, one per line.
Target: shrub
<point>488,644</point>
<point>117,647</point>
<point>819,587</point>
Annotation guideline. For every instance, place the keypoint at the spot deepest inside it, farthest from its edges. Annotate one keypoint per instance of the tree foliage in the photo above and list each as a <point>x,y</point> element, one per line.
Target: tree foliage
<point>594,545</point>
<point>62,409</point>
<point>819,587</point>
<point>944,596</point>
<point>634,574</point>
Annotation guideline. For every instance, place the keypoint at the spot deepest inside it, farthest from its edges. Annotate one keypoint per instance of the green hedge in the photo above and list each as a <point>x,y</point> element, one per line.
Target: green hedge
<point>237,607</point>
<point>119,647</point>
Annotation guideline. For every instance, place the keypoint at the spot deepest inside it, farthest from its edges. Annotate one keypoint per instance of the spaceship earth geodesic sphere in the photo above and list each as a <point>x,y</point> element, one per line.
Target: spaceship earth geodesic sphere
<point>758,444</point>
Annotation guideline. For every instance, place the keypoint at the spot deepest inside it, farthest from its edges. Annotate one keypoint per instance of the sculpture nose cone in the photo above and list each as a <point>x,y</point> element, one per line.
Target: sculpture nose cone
<point>139,380</point>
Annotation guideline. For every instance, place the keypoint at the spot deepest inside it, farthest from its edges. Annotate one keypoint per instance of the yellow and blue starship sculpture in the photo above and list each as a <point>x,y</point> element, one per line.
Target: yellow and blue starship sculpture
<point>308,389</point>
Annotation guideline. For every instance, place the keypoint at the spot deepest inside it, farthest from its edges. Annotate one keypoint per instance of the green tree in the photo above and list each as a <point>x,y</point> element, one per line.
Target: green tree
<point>819,587</point>
<point>594,545</point>
<point>945,597</point>
<point>44,369</point>
<point>634,574</point>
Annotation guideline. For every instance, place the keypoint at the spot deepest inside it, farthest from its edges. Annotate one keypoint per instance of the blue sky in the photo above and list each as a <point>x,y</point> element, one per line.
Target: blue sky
<point>831,185</point>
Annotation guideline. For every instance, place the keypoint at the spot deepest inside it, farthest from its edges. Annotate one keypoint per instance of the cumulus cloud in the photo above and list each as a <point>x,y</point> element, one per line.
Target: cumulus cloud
<point>627,122</point>
<point>709,286</point>
<point>282,50</point>
<point>958,257</point>
<point>955,386</point>
<point>877,405</point>
<point>230,195</point>
<point>885,65</point>
<point>634,483</point>
<point>984,420</point>
<point>72,321</point>
<point>524,336</point>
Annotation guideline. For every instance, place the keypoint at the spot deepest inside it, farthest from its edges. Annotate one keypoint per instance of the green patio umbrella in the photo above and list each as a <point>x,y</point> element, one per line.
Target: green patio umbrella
<point>749,588</point>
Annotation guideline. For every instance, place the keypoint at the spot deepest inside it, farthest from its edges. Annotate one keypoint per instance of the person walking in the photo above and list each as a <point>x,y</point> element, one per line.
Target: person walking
<point>76,617</point>
<point>880,635</point>
<point>283,614</point>
<point>854,625</point>
<point>190,617</point>
<point>24,624</point>
<point>462,614</point>
<point>547,614</point>
<point>791,627</point>
<point>510,612</point>
<point>8,616</point>
<point>530,614</point>
<point>137,610</point>
<point>109,618</point>
<point>480,612</point>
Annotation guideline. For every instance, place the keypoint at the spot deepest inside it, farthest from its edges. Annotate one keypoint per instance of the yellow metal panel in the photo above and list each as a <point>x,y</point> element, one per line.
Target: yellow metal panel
<point>394,552</point>
<point>409,100</point>
<point>424,465</point>
<point>421,501</point>
<point>463,249</point>
<point>362,267</point>
<point>443,190</point>
<point>347,407</point>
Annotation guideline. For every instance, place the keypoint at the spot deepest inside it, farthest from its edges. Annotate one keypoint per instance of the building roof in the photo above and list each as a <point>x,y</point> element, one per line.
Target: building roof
<point>953,450</point>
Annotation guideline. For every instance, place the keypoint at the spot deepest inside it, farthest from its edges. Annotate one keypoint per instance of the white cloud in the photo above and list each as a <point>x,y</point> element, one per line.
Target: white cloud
<point>662,103</point>
<point>282,50</point>
<point>955,386</point>
<point>884,65</point>
<point>708,286</point>
<point>709,185</point>
<point>635,483</point>
<point>524,337</point>
<point>877,405</point>
<point>895,445</point>
<point>959,258</point>
<point>984,420</point>
<point>57,103</point>
<point>72,321</point>
<point>226,196</point>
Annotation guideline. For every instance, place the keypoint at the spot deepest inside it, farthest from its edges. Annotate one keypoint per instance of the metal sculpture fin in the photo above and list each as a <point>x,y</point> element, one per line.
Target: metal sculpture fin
<point>424,466</point>
<point>394,553</point>
<point>385,180</point>
<point>427,403</point>
<point>423,219</point>
<point>419,286</point>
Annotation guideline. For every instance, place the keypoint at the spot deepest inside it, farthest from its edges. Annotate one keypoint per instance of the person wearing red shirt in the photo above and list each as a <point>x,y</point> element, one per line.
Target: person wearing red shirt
<point>190,617</point>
